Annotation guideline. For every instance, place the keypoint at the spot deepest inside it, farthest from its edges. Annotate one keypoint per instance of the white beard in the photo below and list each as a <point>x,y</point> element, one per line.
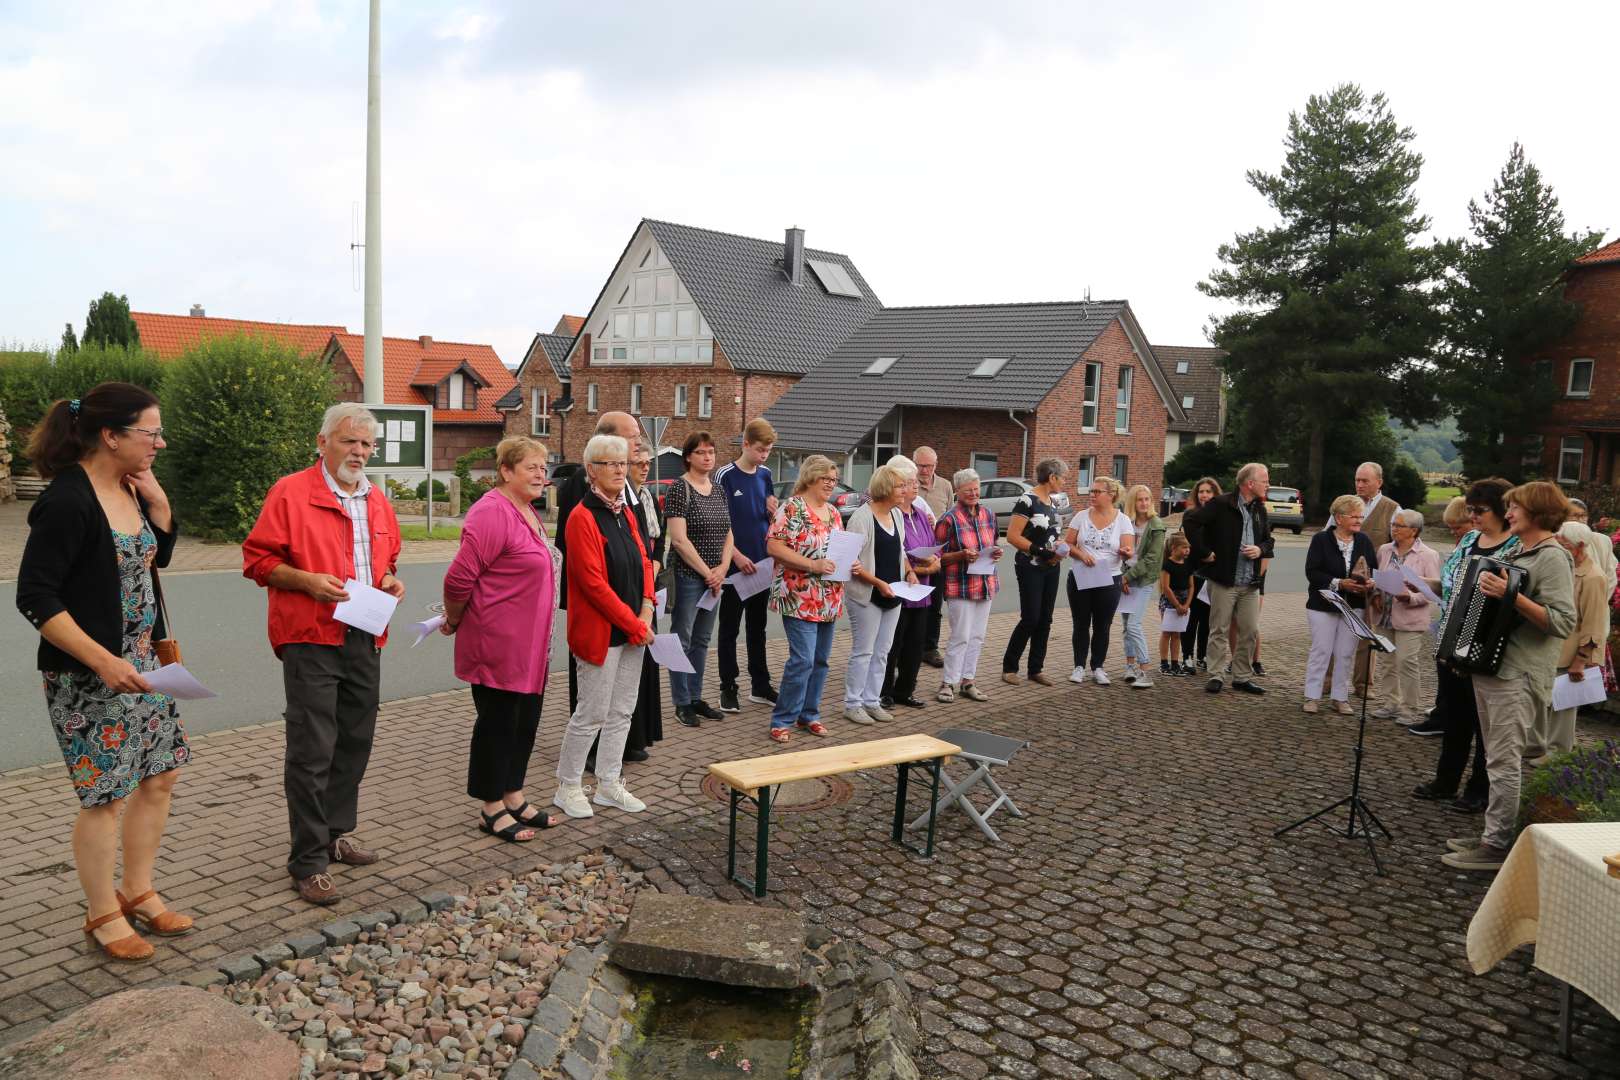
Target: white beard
<point>350,474</point>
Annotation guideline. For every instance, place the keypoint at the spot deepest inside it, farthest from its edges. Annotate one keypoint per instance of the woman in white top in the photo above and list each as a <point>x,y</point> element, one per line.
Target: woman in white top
<point>869,598</point>
<point>1099,540</point>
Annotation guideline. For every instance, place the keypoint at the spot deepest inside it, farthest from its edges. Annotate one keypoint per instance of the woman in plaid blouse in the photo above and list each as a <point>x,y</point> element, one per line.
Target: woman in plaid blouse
<point>964,531</point>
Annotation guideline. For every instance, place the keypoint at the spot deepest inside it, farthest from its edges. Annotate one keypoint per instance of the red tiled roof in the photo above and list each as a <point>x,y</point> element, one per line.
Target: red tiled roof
<point>433,372</point>
<point>171,335</point>
<point>404,358</point>
<point>1609,252</point>
<point>570,325</point>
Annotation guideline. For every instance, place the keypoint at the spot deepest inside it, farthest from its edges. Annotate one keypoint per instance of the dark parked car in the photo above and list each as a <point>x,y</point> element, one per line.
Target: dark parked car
<point>844,497</point>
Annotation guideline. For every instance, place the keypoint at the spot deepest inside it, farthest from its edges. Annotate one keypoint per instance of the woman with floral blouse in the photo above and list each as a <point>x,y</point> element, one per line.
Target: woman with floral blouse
<point>800,592</point>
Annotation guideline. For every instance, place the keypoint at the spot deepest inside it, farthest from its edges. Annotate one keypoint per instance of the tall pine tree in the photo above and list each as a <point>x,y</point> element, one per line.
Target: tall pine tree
<point>109,322</point>
<point>70,344</point>
<point>1506,301</point>
<point>1338,321</point>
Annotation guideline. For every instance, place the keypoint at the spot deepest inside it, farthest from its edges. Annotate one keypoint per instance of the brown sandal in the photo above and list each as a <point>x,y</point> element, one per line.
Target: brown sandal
<point>130,949</point>
<point>163,924</point>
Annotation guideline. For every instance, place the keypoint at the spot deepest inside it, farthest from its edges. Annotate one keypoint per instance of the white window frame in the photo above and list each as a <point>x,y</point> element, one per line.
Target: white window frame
<point>1569,384</point>
<point>1567,452</point>
<point>1085,471</point>
<point>1093,387</point>
<point>989,367</point>
<point>458,390</point>
<point>1122,399</point>
<point>705,401</point>
<point>590,397</point>
<point>635,399</point>
<point>680,399</point>
<point>539,412</point>
<point>1181,367</point>
<point>1187,401</point>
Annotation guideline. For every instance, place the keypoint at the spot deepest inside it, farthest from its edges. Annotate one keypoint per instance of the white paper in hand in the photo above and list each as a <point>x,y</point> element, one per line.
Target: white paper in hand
<point>667,653</point>
<point>926,552</point>
<point>907,591</point>
<point>1567,693</point>
<point>843,548</point>
<point>1135,601</point>
<point>366,608</point>
<point>1419,584</point>
<point>1391,581</point>
<point>426,627</point>
<point>182,685</point>
<point>984,565</point>
<point>660,598</point>
<point>706,600</point>
<point>749,584</point>
<point>1096,576</point>
<point>1203,594</point>
<point>1173,621</point>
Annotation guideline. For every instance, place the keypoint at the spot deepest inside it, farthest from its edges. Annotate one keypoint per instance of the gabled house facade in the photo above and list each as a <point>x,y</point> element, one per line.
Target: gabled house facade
<point>540,402</point>
<point>1197,383</point>
<point>702,328</point>
<point>1580,440</point>
<point>995,387</point>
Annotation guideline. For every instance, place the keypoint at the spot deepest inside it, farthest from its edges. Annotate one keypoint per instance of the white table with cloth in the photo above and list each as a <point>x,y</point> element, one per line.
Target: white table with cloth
<point>1554,890</point>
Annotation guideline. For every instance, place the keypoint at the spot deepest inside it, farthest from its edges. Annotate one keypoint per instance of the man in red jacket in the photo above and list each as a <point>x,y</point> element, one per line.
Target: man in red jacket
<point>318,529</point>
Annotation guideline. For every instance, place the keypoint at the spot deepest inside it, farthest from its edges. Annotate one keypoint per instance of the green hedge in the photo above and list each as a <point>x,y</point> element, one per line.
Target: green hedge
<point>30,381</point>
<point>240,413</point>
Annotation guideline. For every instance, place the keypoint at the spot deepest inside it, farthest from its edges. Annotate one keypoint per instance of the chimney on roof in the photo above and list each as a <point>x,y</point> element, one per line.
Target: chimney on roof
<point>197,311</point>
<point>427,342</point>
<point>793,255</point>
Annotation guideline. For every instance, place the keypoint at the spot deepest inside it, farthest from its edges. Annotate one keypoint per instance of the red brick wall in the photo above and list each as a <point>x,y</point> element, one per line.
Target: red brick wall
<point>956,434</point>
<point>450,441</point>
<point>1597,337</point>
<point>348,384</point>
<point>539,375</point>
<point>1057,424</point>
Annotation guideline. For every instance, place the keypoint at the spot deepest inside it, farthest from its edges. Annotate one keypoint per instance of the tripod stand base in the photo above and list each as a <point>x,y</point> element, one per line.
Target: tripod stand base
<point>1361,823</point>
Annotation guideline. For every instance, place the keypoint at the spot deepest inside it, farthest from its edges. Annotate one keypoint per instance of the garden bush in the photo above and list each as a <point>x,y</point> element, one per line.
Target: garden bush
<point>1582,785</point>
<point>31,380</point>
<point>1404,484</point>
<point>440,491</point>
<point>241,413</point>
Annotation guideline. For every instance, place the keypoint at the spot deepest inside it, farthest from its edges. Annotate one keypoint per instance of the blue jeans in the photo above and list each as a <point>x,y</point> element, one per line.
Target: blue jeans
<point>798,698</point>
<point>693,626</point>
<point>1135,641</point>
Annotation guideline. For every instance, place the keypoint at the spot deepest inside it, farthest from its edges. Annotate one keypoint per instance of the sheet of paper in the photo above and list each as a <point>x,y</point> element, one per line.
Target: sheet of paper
<point>1567,693</point>
<point>407,431</point>
<point>1391,581</point>
<point>1173,621</point>
<point>707,600</point>
<point>667,653</point>
<point>757,582</point>
<point>1135,601</point>
<point>1090,577</point>
<point>391,452</point>
<point>927,552</point>
<point>1061,550</point>
<point>1203,593</point>
<point>1421,585</point>
<point>391,431</point>
<point>906,591</point>
<point>660,598</point>
<point>984,565</point>
<point>842,549</point>
<point>366,608</point>
<point>182,685</point>
<point>426,627</point>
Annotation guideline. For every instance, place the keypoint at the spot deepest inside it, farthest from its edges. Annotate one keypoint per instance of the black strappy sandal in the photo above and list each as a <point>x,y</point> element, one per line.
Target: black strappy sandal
<point>510,833</point>
<point>544,821</point>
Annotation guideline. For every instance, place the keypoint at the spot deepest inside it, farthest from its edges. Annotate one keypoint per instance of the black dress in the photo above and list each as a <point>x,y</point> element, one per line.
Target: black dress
<point>647,722</point>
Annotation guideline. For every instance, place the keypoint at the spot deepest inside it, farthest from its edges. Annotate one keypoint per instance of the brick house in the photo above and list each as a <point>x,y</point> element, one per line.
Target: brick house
<point>1580,440</point>
<point>995,387</point>
<point>541,399</point>
<point>1197,383</point>
<point>169,336</point>
<point>704,328</point>
<point>461,381</point>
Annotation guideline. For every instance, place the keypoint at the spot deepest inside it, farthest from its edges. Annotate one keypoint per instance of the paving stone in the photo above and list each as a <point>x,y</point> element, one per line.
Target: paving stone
<point>271,955</point>
<point>410,911</point>
<point>436,900</point>
<point>307,944</point>
<point>341,932</point>
<point>540,1048</point>
<point>240,968</point>
<point>368,920</point>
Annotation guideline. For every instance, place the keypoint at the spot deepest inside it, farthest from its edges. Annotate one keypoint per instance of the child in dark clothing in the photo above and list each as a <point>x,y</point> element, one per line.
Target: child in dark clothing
<point>1175,593</point>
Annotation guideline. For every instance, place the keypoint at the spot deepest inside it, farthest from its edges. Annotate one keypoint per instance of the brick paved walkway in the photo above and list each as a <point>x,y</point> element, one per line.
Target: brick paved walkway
<point>1141,921</point>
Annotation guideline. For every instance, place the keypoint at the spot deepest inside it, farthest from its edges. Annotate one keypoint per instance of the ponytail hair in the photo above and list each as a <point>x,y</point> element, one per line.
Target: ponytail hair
<point>70,429</point>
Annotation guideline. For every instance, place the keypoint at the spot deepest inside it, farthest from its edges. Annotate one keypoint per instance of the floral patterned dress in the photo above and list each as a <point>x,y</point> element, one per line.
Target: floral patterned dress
<point>111,742</point>
<point>795,593</point>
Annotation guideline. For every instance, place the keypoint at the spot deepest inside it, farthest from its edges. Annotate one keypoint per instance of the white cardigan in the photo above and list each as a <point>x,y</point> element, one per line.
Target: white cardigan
<point>864,522</point>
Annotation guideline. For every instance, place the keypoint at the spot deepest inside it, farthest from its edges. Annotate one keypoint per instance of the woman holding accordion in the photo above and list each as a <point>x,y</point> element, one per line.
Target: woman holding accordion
<point>1510,700</point>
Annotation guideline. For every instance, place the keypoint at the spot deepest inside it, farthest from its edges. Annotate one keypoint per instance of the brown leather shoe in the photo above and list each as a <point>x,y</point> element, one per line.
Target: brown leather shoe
<point>163,924</point>
<point>317,889</point>
<point>1010,677</point>
<point>131,949</point>
<point>1043,678</point>
<point>345,851</point>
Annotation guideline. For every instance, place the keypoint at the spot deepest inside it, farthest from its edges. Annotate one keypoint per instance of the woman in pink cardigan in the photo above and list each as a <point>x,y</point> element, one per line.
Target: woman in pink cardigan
<point>500,600</point>
<point>1404,619</point>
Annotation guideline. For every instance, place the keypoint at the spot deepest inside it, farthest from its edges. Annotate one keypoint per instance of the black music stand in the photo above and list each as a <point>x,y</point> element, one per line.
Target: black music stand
<point>1361,815</point>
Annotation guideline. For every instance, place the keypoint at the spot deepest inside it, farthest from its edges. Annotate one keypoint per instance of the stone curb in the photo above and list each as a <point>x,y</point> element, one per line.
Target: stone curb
<point>864,1025</point>
<point>246,967</point>
<point>576,1025</point>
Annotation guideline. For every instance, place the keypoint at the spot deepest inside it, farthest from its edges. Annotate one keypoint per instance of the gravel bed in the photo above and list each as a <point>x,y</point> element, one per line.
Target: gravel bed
<point>449,996</point>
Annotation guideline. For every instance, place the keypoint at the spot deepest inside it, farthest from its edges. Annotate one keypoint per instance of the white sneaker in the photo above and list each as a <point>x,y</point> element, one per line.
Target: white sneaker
<point>1386,713</point>
<point>879,713</point>
<point>616,794</point>
<point>1100,677</point>
<point>857,715</point>
<point>572,801</point>
<point>1079,675</point>
<point>1142,681</point>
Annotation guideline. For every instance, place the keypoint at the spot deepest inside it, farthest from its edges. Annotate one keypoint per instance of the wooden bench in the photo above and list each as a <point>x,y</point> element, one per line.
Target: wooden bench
<point>754,779</point>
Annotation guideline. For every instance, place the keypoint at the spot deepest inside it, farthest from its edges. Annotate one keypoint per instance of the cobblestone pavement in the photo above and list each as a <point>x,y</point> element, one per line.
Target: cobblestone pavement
<point>1140,921</point>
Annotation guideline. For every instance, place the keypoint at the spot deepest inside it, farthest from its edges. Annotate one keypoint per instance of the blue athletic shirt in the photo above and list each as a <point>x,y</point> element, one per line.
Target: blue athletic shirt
<point>746,495</point>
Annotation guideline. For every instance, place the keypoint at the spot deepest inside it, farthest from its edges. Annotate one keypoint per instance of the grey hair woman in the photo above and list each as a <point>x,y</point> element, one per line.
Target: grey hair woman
<point>1033,531</point>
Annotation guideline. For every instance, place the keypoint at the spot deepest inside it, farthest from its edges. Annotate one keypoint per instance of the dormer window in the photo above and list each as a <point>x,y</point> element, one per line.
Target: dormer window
<point>880,365</point>
<point>1181,367</point>
<point>1186,401</point>
<point>989,367</point>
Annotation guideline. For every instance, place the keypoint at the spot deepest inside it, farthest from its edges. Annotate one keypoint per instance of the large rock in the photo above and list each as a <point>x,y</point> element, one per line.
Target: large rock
<point>736,944</point>
<point>176,1032</point>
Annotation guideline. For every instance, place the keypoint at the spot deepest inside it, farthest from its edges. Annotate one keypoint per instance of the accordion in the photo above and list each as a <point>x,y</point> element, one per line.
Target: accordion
<point>1477,627</point>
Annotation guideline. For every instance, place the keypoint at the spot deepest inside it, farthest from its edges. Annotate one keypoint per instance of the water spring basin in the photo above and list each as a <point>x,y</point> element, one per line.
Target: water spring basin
<point>685,1029</point>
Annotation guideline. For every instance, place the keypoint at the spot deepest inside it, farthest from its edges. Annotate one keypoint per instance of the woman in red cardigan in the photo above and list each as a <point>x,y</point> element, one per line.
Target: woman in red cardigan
<point>610,612</point>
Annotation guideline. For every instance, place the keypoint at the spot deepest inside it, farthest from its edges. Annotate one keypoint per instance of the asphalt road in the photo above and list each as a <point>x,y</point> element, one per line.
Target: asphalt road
<point>220,621</point>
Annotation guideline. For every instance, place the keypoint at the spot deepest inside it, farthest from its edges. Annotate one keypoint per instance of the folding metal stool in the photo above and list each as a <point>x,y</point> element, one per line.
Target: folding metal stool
<point>984,751</point>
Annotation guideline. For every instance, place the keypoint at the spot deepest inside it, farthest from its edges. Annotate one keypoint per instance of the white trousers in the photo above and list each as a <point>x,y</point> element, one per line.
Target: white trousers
<point>1331,641</point>
<point>872,628</point>
<point>607,697</point>
<point>969,619</point>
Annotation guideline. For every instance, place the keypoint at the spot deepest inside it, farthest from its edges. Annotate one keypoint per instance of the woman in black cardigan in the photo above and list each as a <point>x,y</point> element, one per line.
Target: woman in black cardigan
<point>1340,559</point>
<point>88,582</point>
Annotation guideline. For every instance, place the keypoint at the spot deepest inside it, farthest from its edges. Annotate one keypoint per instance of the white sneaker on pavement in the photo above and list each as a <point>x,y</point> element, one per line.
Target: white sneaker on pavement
<point>1079,675</point>
<point>616,794</point>
<point>1142,681</point>
<point>572,801</point>
<point>858,715</point>
<point>1100,677</point>
<point>879,713</point>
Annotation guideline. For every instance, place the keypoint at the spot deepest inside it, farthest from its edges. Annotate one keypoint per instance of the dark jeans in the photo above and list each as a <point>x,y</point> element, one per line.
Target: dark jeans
<point>502,740</point>
<point>1195,639</point>
<point>905,655</point>
<point>1093,615</point>
<point>1037,597</point>
<point>732,616</point>
<point>331,717</point>
<point>1458,711</point>
<point>936,612</point>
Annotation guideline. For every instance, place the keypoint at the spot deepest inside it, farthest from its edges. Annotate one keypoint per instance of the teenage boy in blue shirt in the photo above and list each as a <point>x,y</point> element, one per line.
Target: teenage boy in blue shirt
<point>747,484</point>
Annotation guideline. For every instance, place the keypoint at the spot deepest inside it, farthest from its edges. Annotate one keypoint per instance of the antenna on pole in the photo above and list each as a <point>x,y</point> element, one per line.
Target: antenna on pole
<point>373,382</point>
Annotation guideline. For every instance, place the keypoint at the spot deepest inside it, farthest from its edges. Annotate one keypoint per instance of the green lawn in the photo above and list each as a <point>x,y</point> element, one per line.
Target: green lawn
<point>413,531</point>
<point>1442,495</point>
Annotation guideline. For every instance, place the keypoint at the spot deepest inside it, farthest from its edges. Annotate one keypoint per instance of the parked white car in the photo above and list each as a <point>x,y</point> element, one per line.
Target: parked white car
<point>1002,492</point>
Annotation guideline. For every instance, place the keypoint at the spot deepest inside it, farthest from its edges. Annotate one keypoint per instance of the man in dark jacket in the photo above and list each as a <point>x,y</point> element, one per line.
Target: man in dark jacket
<point>1233,529</point>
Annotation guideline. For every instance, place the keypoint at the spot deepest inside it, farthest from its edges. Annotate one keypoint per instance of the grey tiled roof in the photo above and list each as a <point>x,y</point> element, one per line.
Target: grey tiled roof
<point>510,400</point>
<point>1202,381</point>
<point>835,405</point>
<point>761,322</point>
<point>556,347</point>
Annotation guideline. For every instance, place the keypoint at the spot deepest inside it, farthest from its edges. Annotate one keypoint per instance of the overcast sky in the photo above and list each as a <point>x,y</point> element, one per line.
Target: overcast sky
<point>959,152</point>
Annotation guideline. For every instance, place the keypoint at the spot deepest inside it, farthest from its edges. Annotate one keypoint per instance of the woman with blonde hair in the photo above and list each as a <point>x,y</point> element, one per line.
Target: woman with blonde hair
<point>869,599</point>
<point>800,592</point>
<point>1139,581</point>
<point>1101,535</point>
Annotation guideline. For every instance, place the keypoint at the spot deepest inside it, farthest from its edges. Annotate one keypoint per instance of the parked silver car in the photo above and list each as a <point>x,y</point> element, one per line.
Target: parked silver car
<point>1000,493</point>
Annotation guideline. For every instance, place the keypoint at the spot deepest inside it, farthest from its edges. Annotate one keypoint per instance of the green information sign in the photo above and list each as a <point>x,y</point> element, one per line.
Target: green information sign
<point>404,439</point>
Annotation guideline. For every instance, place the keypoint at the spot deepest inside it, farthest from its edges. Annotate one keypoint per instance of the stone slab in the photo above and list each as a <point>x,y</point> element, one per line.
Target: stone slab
<point>174,1031</point>
<point>307,944</point>
<point>694,938</point>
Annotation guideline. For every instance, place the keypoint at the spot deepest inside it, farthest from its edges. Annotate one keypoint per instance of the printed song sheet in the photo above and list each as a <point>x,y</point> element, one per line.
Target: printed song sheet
<point>182,685</point>
<point>366,608</point>
<point>842,549</point>
<point>667,653</point>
